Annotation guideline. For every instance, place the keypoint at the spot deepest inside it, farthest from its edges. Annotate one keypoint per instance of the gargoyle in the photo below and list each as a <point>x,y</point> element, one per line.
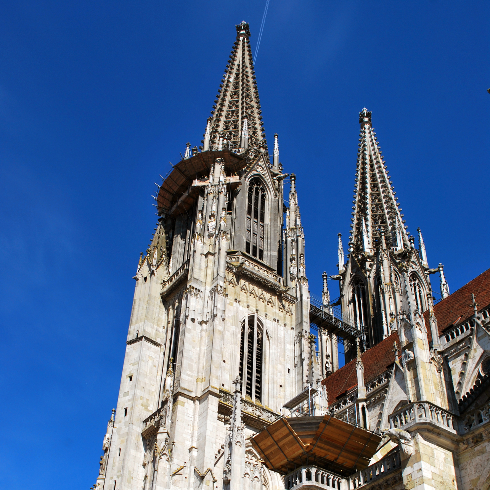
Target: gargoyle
<point>402,438</point>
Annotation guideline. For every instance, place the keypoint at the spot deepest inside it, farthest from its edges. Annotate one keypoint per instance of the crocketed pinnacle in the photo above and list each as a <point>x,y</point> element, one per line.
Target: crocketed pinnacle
<point>237,103</point>
<point>375,206</point>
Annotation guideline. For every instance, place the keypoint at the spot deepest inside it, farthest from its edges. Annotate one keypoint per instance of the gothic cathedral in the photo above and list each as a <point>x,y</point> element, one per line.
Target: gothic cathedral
<point>231,377</point>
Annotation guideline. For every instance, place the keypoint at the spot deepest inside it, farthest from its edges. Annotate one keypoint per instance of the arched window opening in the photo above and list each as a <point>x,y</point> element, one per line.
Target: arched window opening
<point>251,358</point>
<point>175,344</point>
<point>255,218</point>
<point>364,417</point>
<point>417,292</point>
<point>359,299</point>
<point>381,311</point>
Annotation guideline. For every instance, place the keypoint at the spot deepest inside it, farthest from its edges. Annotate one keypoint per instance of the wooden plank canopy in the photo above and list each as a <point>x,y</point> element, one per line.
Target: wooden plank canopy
<point>326,442</point>
<point>180,178</point>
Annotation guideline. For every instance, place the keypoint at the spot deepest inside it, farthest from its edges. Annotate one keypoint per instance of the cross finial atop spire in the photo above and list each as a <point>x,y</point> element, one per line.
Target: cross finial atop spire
<point>242,30</point>
<point>365,117</point>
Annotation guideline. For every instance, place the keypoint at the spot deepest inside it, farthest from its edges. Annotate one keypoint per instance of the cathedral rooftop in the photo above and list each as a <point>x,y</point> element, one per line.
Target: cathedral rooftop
<point>376,361</point>
<point>458,307</point>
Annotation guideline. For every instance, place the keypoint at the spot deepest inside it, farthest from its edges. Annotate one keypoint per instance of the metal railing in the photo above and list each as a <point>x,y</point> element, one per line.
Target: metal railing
<point>334,316</point>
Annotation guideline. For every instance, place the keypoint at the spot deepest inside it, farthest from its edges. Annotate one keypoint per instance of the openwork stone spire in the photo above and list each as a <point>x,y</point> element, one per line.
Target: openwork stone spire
<point>237,105</point>
<point>375,206</point>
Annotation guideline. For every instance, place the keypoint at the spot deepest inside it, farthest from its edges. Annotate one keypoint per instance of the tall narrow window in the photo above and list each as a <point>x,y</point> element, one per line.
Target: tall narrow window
<point>255,218</point>
<point>251,358</point>
<point>174,350</point>
<point>417,292</point>
<point>360,304</point>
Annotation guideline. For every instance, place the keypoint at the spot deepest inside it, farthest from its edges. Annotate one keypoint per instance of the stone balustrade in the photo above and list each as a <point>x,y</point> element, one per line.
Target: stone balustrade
<point>175,278</point>
<point>388,465</point>
<point>456,332</point>
<point>152,423</point>
<point>476,418</point>
<point>312,477</point>
<point>254,415</point>
<point>240,263</point>
<point>420,412</point>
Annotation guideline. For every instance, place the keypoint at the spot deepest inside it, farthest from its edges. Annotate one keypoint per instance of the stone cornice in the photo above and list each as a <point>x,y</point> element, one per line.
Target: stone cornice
<point>143,337</point>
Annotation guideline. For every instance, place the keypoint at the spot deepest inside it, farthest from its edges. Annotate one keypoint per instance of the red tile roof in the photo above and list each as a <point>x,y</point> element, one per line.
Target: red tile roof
<point>454,309</point>
<point>457,307</point>
<point>376,360</point>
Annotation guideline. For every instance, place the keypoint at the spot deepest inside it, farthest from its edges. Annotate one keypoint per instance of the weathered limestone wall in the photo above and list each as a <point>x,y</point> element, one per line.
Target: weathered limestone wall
<point>139,389</point>
<point>474,460</point>
<point>430,467</point>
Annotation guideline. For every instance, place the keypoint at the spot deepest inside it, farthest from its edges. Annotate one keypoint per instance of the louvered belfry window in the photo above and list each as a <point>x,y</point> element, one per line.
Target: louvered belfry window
<point>251,351</point>
<point>255,218</point>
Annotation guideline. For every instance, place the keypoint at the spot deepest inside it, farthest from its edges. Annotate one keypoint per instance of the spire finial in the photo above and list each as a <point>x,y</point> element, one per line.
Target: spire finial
<point>325,291</point>
<point>444,285</point>
<point>276,152</point>
<point>396,351</point>
<point>474,304</point>
<point>422,251</point>
<point>341,253</point>
<point>293,182</point>
<point>187,151</point>
<point>242,30</point>
<point>207,136</point>
<point>365,118</point>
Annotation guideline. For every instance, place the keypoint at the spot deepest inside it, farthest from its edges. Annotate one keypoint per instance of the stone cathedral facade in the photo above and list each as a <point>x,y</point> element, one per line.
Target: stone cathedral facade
<point>225,349</point>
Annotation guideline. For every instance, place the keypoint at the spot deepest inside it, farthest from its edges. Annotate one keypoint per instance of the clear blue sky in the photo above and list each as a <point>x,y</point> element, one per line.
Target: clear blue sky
<point>97,97</point>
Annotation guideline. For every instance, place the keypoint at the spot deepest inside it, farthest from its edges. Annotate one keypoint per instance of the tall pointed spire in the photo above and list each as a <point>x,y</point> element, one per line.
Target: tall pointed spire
<point>375,205</point>
<point>422,251</point>
<point>237,103</point>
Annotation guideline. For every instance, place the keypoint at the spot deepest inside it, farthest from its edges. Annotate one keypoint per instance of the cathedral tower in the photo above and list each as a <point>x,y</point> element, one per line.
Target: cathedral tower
<point>385,285</point>
<point>221,293</point>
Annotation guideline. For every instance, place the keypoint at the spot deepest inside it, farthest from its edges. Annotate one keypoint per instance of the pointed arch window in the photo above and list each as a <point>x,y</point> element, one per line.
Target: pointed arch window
<point>359,298</point>
<point>418,292</point>
<point>251,357</point>
<point>255,218</point>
